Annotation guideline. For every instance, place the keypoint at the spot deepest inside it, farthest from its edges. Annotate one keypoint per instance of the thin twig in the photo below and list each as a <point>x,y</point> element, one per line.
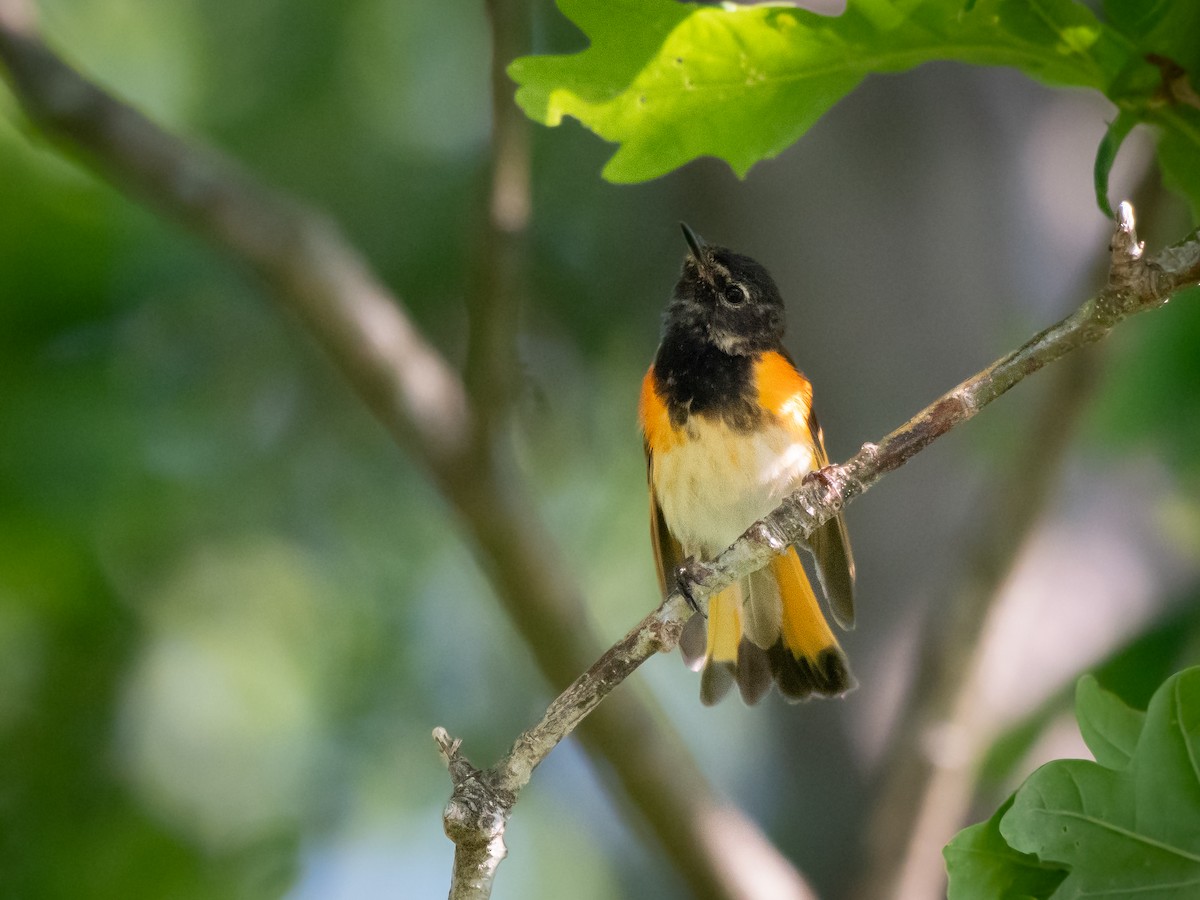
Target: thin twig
<point>313,272</point>
<point>1135,284</point>
<point>472,822</point>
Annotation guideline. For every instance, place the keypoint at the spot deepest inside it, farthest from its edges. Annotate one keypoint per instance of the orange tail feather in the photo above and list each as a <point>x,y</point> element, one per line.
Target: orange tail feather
<point>807,660</point>
<point>803,658</point>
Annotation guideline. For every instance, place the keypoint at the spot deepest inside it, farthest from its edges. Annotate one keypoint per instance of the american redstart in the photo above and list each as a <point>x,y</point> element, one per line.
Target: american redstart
<point>729,431</point>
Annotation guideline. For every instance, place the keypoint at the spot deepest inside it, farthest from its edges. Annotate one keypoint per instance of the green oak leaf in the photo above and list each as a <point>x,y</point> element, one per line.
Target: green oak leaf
<point>1109,727</point>
<point>671,82</point>
<point>1130,832</point>
<point>1106,155</point>
<point>982,866</point>
<point>1169,28</point>
<point>1166,31</point>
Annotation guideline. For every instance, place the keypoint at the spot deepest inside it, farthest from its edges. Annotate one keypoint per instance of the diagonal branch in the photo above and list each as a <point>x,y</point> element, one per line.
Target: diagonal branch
<point>1135,284</point>
<point>315,274</point>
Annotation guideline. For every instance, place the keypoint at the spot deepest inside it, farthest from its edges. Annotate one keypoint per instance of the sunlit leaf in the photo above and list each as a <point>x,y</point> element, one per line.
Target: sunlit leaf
<point>671,82</point>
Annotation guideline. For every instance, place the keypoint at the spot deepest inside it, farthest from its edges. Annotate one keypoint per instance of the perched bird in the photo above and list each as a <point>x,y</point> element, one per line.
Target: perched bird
<point>729,430</point>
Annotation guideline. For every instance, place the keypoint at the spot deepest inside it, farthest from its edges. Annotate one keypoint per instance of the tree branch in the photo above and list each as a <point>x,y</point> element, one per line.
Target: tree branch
<point>1135,285</point>
<point>313,272</point>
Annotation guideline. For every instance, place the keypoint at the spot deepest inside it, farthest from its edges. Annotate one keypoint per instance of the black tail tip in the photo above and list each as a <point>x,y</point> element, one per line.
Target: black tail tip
<point>800,678</point>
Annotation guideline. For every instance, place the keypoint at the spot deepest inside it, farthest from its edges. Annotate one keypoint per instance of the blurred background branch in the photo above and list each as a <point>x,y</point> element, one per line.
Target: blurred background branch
<point>905,845</point>
<point>928,776</point>
<point>500,281</point>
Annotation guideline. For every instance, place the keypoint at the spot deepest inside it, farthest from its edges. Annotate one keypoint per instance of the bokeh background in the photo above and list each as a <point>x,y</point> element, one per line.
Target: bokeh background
<point>231,611</point>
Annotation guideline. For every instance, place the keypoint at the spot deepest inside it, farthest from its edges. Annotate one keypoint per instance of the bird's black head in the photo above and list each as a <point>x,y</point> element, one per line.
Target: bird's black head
<point>726,299</point>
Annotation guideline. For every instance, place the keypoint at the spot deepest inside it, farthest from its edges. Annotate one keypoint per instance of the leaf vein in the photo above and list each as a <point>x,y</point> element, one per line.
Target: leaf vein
<point>1140,888</point>
<point>1124,832</point>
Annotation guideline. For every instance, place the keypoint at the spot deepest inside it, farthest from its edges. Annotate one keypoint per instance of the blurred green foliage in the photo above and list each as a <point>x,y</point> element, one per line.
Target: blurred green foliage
<point>199,548</point>
<point>1152,400</point>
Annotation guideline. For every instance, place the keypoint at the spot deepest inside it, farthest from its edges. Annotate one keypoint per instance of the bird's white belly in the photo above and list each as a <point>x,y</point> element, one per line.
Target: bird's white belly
<point>717,482</point>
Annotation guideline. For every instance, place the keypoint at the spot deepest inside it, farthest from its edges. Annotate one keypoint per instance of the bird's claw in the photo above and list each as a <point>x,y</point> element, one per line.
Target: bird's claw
<point>687,576</point>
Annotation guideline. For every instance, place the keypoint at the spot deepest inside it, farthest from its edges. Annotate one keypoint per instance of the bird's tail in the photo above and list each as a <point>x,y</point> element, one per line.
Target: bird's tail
<point>768,628</point>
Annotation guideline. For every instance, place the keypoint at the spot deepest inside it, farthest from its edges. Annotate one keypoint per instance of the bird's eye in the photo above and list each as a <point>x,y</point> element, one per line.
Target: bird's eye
<point>735,294</point>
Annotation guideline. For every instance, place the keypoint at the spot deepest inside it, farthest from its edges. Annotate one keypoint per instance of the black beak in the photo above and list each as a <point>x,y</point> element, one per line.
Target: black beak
<point>695,242</point>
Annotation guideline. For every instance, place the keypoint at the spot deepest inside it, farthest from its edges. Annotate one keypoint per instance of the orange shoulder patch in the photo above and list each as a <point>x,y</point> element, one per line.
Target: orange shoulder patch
<point>783,390</point>
<point>654,419</point>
